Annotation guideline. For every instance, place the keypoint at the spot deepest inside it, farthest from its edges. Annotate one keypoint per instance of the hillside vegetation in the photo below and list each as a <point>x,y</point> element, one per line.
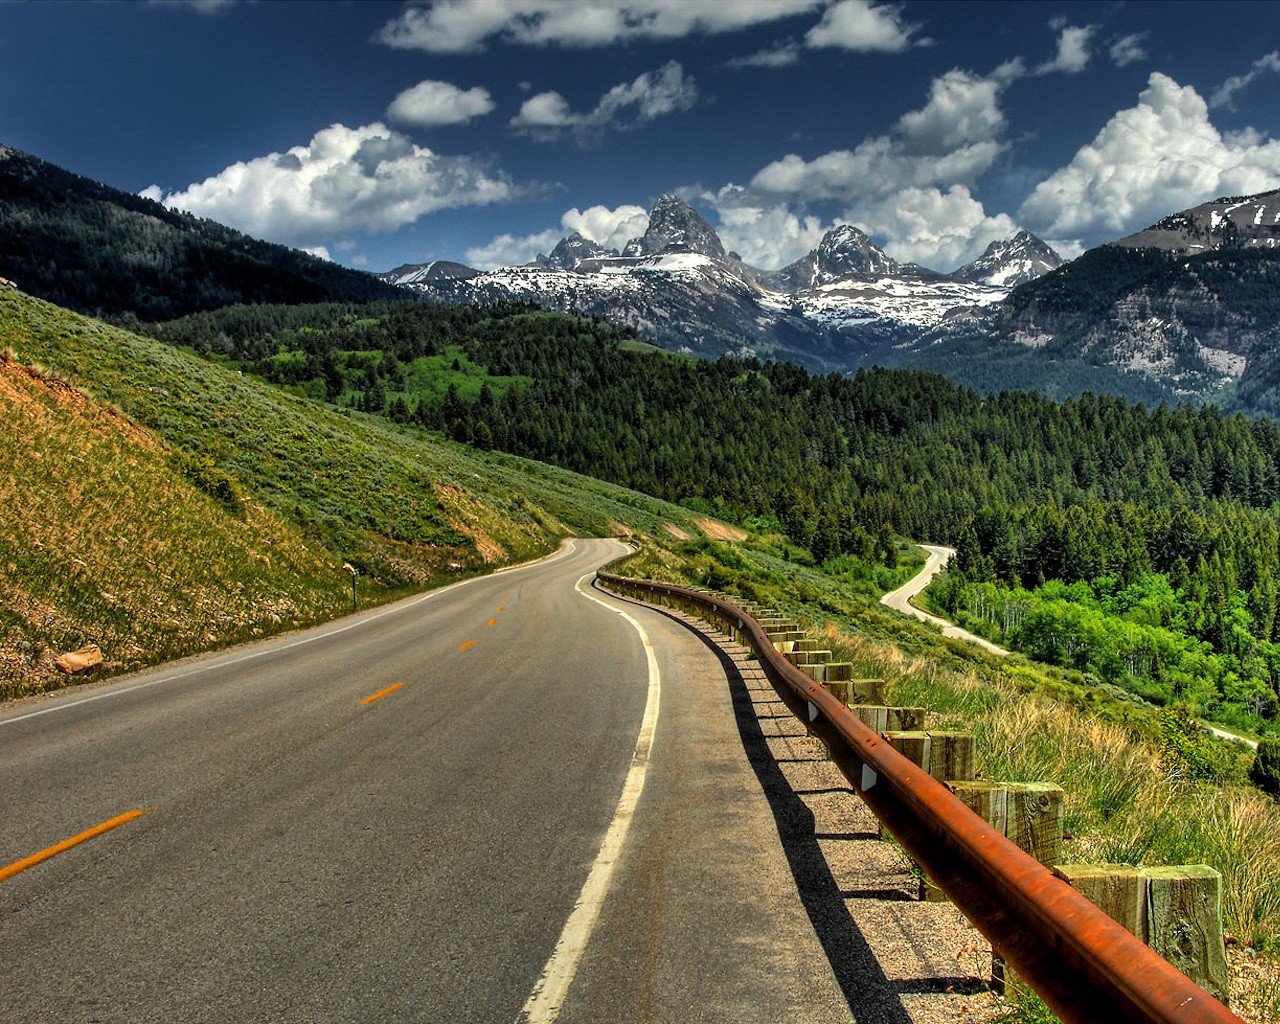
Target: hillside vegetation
<point>94,248</point>
<point>1093,490</point>
<point>158,504</point>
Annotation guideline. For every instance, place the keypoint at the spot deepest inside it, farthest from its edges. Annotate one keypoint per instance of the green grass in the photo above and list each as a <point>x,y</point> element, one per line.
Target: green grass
<point>186,486</point>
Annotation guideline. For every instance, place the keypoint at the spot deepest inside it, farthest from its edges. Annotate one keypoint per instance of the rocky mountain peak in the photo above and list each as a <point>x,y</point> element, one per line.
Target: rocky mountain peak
<point>1009,262</point>
<point>843,252</point>
<point>675,226</point>
<point>572,251</point>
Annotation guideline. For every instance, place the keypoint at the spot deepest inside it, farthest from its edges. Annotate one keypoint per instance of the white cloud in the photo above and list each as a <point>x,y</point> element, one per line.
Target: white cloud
<point>651,95</point>
<point>612,228</point>
<point>954,138</point>
<point>1147,161</point>
<point>767,236</point>
<point>153,192</point>
<point>1073,49</point>
<point>781,54</point>
<point>345,179</point>
<point>318,251</point>
<point>909,188</point>
<point>1225,93</point>
<point>1129,49</point>
<point>512,250</point>
<point>461,26</point>
<point>430,104</point>
<point>864,27</point>
<point>940,229</point>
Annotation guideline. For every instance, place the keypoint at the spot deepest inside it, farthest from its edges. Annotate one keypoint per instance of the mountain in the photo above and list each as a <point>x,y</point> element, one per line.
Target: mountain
<point>436,270</point>
<point>93,248</point>
<point>675,226</point>
<point>572,251</point>
<point>843,252</point>
<point>843,304</point>
<point>1234,222</point>
<point>1183,309</point>
<point>1011,262</point>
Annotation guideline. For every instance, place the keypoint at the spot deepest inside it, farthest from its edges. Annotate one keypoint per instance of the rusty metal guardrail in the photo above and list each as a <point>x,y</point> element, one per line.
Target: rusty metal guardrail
<point>1085,966</point>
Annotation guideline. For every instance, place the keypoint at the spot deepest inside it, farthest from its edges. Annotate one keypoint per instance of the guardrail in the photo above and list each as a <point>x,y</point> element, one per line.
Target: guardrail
<point>1084,965</point>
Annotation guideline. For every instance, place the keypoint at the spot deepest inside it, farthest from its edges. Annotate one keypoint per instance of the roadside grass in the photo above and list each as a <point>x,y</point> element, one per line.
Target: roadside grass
<point>1129,796</point>
<point>159,504</point>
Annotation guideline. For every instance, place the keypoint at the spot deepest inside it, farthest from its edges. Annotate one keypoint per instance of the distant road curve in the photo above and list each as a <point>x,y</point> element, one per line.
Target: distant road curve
<point>939,556</point>
<point>900,599</point>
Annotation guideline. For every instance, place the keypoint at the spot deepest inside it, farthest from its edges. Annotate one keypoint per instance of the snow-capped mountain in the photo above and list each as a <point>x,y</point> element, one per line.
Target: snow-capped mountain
<point>839,305</point>
<point>1233,222</point>
<point>1186,308</point>
<point>1011,262</point>
<point>843,252</point>
<point>423,273</point>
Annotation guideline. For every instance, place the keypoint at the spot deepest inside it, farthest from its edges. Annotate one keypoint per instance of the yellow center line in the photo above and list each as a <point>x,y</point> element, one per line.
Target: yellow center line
<point>66,844</point>
<point>381,693</point>
<point>493,622</point>
<point>465,644</point>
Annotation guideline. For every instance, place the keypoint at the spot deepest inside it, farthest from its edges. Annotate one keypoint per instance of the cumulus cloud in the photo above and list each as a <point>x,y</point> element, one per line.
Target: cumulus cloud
<point>463,26</point>
<point>954,138</point>
<point>1224,95</point>
<point>651,95</point>
<point>941,229</point>
<point>765,235</point>
<point>864,27</point>
<point>910,187</point>
<point>612,228</point>
<point>430,104</point>
<point>362,179</point>
<point>1073,50</point>
<point>318,251</point>
<point>1130,49</point>
<point>1163,154</point>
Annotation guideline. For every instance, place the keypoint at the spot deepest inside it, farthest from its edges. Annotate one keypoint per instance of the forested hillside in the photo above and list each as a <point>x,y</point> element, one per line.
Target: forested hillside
<point>96,249</point>
<point>1093,490</point>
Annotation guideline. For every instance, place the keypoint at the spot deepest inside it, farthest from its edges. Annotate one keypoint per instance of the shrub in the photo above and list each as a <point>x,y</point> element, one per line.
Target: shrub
<point>207,477</point>
<point>1265,772</point>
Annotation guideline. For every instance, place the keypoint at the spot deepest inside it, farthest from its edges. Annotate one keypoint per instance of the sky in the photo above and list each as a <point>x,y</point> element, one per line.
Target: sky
<point>484,130</point>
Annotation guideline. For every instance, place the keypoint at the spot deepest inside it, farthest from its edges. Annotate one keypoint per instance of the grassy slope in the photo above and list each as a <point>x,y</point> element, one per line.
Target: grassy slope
<point>162,504</point>
<point>1127,800</point>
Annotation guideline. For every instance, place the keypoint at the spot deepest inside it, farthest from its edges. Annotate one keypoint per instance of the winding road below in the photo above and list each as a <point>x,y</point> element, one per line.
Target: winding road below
<point>939,556</point>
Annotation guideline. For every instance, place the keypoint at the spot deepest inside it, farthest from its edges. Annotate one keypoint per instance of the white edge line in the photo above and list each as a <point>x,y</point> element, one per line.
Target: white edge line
<point>563,552</point>
<point>544,1003</point>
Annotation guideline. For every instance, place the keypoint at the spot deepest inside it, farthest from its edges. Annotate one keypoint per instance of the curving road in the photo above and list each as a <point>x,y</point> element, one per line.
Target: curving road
<point>939,556</point>
<point>401,817</point>
<point>900,599</point>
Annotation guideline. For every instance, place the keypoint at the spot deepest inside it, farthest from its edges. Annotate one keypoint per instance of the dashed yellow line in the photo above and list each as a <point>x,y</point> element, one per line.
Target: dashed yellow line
<point>66,844</point>
<point>465,644</point>
<point>381,693</point>
<point>493,622</point>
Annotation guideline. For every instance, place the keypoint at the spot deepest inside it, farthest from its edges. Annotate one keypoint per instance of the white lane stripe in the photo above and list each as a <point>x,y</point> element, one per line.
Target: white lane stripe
<point>543,1005</point>
<point>563,552</point>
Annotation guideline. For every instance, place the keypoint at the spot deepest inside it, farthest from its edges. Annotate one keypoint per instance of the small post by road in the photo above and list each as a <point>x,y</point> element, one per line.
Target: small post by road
<point>352,570</point>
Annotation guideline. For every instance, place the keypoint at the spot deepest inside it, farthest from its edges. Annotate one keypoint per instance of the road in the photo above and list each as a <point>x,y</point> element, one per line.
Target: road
<point>939,556</point>
<point>487,803</point>
<point>900,599</point>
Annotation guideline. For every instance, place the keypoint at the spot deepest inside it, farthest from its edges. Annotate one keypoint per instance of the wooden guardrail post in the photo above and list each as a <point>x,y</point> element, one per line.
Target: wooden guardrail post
<point>1176,910</point>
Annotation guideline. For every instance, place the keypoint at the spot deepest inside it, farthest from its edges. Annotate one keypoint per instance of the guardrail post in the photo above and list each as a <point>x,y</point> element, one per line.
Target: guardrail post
<point>1176,910</point>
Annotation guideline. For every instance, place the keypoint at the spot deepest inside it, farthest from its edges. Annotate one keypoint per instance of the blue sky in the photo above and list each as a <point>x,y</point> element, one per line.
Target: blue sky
<point>483,130</point>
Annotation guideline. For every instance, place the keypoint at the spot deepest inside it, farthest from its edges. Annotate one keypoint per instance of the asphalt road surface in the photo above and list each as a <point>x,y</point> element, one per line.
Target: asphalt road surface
<point>393,817</point>
<point>900,599</point>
